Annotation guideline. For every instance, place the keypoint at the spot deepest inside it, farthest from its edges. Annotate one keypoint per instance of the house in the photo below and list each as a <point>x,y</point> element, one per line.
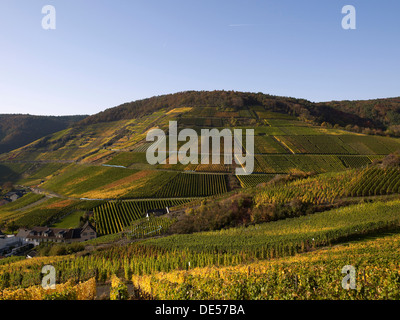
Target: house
<point>157,212</point>
<point>37,235</point>
<point>14,195</point>
<point>88,232</point>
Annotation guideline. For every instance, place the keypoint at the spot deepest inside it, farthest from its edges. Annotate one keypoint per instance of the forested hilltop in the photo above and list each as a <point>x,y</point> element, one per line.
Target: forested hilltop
<point>385,111</point>
<point>17,130</point>
<point>380,116</point>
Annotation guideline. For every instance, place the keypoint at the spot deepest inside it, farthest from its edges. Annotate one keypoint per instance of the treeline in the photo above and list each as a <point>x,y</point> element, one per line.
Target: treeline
<point>386,111</point>
<point>241,210</point>
<point>317,113</point>
<point>6,187</point>
<point>224,99</point>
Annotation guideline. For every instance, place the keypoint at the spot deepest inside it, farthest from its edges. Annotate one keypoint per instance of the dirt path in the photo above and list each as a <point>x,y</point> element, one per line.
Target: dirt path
<point>33,204</point>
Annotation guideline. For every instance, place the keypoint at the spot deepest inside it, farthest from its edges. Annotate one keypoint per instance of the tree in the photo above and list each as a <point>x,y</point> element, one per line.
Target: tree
<point>7,187</point>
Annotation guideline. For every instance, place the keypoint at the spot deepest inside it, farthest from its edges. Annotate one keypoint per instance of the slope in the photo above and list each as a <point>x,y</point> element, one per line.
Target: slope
<point>19,130</point>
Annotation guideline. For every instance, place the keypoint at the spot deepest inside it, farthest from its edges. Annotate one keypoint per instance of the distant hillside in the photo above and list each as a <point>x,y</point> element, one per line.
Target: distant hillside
<point>386,112</point>
<point>375,114</point>
<point>19,130</point>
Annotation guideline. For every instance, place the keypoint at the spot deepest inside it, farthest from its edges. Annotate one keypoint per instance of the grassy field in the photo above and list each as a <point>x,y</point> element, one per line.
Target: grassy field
<point>70,221</point>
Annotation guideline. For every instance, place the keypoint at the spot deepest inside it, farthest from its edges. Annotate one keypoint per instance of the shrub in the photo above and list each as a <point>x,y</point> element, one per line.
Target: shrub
<point>391,160</point>
<point>119,290</point>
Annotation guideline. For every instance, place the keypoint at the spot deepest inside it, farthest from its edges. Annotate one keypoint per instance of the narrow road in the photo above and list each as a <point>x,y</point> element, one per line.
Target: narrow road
<point>51,194</point>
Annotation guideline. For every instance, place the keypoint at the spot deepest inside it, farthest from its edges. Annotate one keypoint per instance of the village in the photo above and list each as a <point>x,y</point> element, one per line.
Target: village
<point>26,239</point>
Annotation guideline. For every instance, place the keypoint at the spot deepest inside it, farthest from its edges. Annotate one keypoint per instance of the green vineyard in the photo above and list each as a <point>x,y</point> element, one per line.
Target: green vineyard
<point>193,185</point>
<point>253,180</point>
<point>115,216</point>
<point>286,237</point>
<point>284,163</point>
<point>344,144</point>
<point>355,161</point>
<point>316,190</point>
<point>274,163</point>
<point>149,227</point>
<point>376,181</point>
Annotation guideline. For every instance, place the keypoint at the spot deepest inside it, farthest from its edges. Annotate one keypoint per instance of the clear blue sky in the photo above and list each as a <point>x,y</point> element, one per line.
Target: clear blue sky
<point>107,52</point>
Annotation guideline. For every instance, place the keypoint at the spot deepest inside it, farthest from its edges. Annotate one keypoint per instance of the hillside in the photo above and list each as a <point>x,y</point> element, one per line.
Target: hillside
<point>19,130</point>
<point>228,108</point>
<point>334,113</point>
<point>314,187</point>
<point>106,160</point>
<point>386,112</point>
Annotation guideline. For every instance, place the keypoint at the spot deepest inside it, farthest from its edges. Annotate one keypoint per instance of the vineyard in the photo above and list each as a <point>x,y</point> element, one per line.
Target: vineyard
<point>271,244</point>
<point>254,180</point>
<point>268,145</point>
<point>66,291</point>
<point>376,181</point>
<point>36,210</point>
<point>326,188</point>
<point>115,216</point>
<point>193,185</point>
<point>330,197</point>
<point>287,237</point>
<point>315,163</point>
<point>233,247</point>
<point>341,144</point>
<point>126,159</point>
<point>214,168</point>
<point>316,190</point>
<point>149,227</point>
<point>356,161</point>
<point>311,276</point>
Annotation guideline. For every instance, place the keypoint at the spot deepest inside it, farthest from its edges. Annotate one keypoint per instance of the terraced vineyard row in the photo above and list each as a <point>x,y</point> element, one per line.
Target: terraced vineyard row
<point>268,144</point>
<point>316,190</point>
<point>371,181</point>
<point>150,226</point>
<point>115,216</point>
<point>235,246</point>
<point>286,237</point>
<point>254,179</point>
<point>341,144</point>
<point>316,163</point>
<point>376,181</point>
<point>193,185</point>
<point>311,276</point>
<point>355,161</point>
<point>213,168</point>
